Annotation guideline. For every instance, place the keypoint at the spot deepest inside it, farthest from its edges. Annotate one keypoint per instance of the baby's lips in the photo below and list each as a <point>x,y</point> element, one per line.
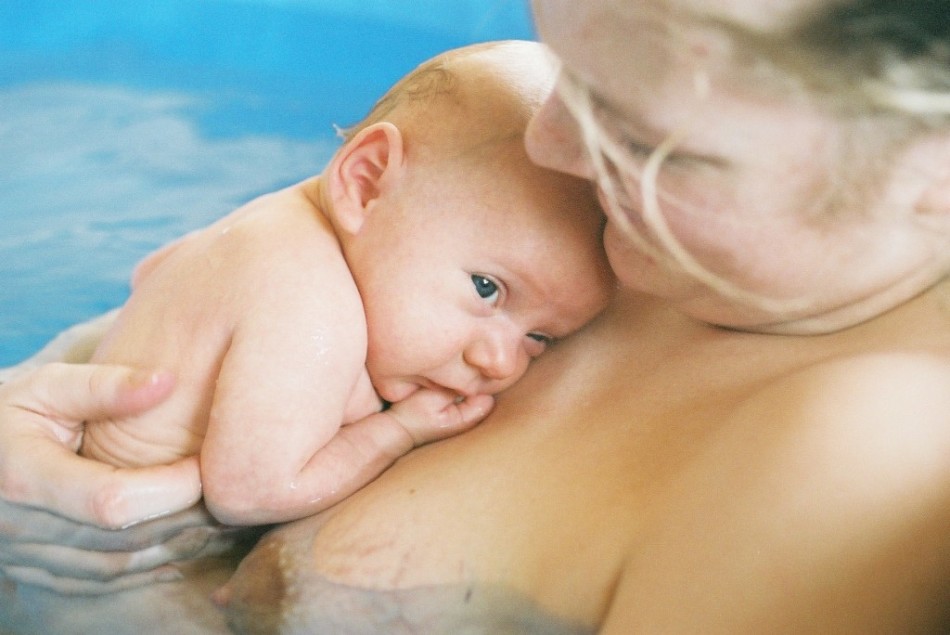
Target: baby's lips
<point>461,392</point>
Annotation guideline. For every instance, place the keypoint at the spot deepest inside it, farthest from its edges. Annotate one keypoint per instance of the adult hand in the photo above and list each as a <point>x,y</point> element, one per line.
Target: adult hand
<point>46,550</point>
<point>41,415</point>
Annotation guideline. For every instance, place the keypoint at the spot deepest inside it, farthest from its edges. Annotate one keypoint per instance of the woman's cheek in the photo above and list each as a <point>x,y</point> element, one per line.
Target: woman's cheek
<point>629,264</point>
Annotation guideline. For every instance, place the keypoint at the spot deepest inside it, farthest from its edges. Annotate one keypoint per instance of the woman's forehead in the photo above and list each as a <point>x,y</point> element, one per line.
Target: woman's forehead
<point>633,17</point>
<point>762,15</point>
<point>654,56</point>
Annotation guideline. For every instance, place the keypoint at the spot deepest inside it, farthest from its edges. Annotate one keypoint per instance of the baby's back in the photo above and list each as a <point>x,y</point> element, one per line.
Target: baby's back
<point>188,299</point>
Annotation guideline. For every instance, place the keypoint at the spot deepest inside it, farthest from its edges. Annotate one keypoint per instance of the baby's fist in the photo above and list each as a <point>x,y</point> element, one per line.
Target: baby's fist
<point>429,415</point>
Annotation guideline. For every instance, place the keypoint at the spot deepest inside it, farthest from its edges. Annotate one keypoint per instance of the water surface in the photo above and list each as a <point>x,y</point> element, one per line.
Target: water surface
<point>125,124</point>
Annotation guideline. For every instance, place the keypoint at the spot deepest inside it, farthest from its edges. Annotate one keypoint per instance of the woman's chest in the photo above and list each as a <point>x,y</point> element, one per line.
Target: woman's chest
<point>551,496</point>
<point>547,498</point>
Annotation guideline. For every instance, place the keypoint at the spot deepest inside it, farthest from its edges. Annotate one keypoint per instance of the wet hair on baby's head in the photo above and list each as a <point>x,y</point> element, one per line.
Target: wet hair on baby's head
<point>427,85</point>
<point>428,81</point>
<point>477,94</point>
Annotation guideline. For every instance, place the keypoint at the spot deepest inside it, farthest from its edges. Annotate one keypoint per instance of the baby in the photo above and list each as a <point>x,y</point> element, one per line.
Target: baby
<point>322,331</point>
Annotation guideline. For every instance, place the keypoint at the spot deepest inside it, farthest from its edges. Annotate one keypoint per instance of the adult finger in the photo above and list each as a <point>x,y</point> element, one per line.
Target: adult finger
<point>74,586</point>
<point>91,492</point>
<point>69,562</point>
<point>77,392</point>
<point>40,428</point>
<point>24,525</point>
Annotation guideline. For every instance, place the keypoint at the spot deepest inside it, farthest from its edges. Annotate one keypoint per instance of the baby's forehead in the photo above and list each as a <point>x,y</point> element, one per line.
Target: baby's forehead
<point>555,272</point>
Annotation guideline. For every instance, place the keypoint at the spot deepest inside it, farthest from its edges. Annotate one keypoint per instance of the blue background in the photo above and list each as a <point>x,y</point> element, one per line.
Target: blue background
<point>124,124</point>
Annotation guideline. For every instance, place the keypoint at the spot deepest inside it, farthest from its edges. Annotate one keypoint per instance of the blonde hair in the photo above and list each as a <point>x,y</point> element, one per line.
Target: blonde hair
<point>873,57</point>
<point>875,64</point>
<point>423,87</point>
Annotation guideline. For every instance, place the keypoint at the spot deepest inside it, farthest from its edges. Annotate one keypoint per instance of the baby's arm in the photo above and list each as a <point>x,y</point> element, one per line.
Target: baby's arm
<point>364,448</point>
<point>275,449</point>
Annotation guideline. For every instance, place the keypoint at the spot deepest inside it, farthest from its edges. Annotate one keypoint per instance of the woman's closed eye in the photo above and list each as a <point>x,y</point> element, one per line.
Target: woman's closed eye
<point>636,149</point>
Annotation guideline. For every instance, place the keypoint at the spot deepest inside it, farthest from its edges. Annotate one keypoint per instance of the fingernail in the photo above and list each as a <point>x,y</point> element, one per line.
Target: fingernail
<point>143,378</point>
<point>195,539</point>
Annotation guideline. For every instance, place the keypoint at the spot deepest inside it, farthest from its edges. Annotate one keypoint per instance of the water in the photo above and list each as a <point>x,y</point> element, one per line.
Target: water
<point>125,124</point>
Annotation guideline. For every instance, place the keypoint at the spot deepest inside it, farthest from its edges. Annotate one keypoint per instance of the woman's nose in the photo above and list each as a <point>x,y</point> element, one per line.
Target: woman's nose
<point>553,139</point>
<point>497,355</point>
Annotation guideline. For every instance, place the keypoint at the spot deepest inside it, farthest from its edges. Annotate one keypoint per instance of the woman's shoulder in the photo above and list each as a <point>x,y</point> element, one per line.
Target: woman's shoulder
<point>819,504</point>
<point>882,414</point>
<point>892,392</point>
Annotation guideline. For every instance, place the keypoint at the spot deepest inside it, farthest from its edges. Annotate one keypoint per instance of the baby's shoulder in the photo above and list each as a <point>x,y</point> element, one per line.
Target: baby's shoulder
<point>278,238</point>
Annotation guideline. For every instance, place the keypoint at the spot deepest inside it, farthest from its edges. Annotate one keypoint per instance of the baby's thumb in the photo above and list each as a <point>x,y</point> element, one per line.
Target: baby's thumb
<point>473,409</point>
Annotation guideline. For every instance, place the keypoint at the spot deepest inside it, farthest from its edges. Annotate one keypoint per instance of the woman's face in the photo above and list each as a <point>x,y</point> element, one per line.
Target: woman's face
<point>758,191</point>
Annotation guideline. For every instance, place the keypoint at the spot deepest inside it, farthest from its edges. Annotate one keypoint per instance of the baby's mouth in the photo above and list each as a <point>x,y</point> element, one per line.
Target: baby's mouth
<point>461,394</point>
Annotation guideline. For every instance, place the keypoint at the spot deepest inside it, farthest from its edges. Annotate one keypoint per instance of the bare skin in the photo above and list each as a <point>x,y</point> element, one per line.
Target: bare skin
<point>657,474</point>
<point>610,492</point>
<point>620,513</point>
<point>425,266</point>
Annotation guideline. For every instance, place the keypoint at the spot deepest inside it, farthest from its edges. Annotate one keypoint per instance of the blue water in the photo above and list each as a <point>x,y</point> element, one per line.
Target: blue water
<point>124,124</point>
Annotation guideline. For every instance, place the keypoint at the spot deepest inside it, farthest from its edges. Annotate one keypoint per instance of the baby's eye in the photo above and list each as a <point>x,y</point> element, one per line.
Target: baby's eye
<point>485,288</point>
<point>539,343</point>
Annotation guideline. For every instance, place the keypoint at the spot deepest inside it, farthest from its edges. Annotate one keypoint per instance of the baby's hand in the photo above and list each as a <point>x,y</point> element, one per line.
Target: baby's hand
<point>360,451</point>
<point>429,415</point>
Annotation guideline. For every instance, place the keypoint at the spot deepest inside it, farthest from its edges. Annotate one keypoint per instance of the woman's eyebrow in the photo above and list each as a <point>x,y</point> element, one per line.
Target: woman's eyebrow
<point>637,129</point>
<point>620,114</point>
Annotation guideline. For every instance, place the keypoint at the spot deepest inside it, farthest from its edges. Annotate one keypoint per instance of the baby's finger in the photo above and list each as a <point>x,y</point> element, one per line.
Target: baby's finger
<point>456,417</point>
<point>473,409</point>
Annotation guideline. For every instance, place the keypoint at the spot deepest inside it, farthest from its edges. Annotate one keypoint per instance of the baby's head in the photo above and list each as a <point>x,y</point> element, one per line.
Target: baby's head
<point>471,260</point>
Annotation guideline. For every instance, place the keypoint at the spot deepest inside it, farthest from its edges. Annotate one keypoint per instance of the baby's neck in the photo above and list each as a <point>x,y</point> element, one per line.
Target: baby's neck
<point>315,191</point>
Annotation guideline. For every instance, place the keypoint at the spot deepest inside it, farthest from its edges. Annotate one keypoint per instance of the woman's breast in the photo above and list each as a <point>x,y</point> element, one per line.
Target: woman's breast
<point>280,589</point>
<point>517,526</point>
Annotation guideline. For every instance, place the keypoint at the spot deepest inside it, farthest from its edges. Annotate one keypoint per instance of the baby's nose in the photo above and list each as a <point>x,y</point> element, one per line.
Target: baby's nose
<point>498,356</point>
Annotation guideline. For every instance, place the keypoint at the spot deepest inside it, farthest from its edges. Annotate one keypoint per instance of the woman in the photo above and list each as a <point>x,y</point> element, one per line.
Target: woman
<point>754,438</point>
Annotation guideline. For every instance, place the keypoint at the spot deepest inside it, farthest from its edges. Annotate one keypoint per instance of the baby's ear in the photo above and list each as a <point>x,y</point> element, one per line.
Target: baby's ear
<point>361,170</point>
